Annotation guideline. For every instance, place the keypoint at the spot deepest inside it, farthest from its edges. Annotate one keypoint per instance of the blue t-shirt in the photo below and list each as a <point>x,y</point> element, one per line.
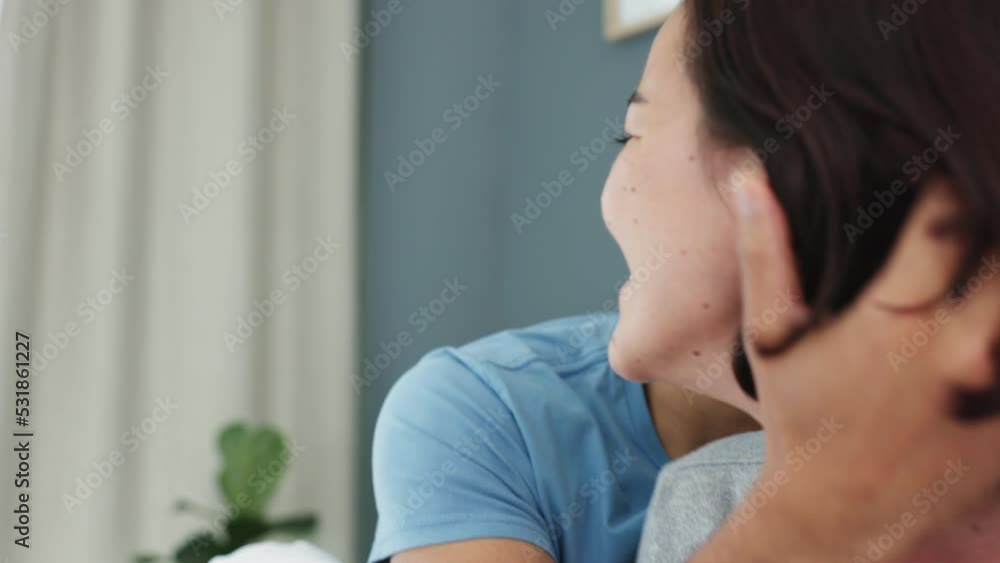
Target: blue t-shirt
<point>526,434</point>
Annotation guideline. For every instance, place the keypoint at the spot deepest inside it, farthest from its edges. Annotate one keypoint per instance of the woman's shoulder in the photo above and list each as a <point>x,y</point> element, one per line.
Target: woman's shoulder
<point>512,426</point>
<point>529,359</point>
<point>506,381</point>
<point>557,343</point>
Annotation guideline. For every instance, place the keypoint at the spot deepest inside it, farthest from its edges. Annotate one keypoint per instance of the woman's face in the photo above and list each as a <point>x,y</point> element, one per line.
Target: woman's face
<point>680,310</point>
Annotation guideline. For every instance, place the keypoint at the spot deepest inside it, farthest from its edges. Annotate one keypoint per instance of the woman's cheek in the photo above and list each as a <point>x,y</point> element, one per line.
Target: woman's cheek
<point>611,200</point>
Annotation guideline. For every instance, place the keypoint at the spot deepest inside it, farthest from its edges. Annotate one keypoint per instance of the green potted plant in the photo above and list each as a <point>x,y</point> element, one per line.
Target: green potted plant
<point>253,463</point>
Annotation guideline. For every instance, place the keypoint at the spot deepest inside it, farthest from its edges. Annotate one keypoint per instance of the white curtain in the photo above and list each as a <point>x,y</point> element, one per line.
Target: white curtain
<point>170,169</point>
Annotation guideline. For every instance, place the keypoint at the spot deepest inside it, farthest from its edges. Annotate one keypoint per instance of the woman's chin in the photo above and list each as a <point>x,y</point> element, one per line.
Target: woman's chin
<point>624,361</point>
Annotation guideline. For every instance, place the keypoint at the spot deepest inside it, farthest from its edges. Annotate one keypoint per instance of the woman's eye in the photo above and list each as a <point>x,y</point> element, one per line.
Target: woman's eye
<point>624,138</point>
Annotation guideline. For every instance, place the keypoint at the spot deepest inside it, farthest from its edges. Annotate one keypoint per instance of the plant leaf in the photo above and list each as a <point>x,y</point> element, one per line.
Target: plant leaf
<point>252,466</point>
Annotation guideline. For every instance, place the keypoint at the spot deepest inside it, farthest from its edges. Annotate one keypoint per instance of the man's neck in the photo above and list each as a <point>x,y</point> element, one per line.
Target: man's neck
<point>686,421</point>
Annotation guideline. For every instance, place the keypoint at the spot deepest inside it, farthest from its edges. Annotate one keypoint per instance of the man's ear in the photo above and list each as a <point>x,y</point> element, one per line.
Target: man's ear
<point>927,254</point>
<point>731,169</point>
<point>918,281</point>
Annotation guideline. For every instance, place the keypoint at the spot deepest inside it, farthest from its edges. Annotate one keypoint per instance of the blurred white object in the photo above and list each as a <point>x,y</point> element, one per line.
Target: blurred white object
<point>272,552</point>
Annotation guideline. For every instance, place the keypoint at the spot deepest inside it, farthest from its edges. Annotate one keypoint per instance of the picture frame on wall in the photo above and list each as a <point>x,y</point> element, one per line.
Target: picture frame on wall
<point>626,18</point>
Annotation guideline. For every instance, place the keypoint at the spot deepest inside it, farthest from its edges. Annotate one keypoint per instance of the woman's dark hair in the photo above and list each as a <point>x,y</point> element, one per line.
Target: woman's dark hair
<point>865,101</point>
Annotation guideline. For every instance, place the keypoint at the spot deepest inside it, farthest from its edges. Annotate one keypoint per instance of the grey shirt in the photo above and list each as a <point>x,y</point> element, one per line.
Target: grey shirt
<point>696,493</point>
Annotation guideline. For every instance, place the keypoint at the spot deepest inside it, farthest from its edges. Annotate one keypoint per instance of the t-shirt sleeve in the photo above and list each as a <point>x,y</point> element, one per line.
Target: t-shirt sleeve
<point>449,462</point>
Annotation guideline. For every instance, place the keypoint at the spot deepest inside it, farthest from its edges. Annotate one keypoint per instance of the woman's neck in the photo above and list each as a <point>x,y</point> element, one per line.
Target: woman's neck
<point>685,421</point>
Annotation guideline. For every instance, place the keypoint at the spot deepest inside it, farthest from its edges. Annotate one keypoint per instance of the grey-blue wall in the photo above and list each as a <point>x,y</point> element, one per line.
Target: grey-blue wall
<point>452,217</point>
